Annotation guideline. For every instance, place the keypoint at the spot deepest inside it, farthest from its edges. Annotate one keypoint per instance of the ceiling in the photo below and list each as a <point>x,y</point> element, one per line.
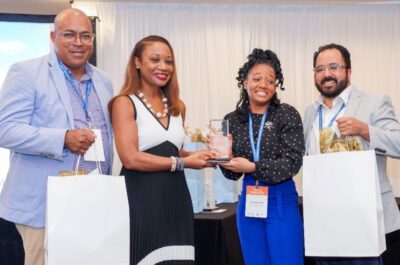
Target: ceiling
<point>53,6</point>
<point>297,2</point>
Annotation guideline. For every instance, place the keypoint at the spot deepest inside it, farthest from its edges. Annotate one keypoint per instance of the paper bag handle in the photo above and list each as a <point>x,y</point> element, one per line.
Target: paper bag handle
<point>78,161</point>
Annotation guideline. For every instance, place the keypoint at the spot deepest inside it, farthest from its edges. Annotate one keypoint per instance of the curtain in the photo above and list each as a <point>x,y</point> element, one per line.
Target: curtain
<point>211,42</point>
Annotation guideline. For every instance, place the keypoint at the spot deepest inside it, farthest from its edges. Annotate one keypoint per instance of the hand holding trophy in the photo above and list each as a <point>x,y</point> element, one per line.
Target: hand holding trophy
<point>219,142</point>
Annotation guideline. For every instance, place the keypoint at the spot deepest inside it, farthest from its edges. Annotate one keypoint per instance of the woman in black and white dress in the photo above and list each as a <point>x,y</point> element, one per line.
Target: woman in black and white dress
<point>147,117</point>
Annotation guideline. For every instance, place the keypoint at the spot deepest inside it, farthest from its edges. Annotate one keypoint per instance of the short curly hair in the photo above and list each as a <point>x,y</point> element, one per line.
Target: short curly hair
<point>259,56</point>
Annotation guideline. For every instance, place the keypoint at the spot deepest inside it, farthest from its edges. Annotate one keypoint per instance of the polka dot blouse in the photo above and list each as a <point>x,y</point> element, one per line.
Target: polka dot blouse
<point>282,143</point>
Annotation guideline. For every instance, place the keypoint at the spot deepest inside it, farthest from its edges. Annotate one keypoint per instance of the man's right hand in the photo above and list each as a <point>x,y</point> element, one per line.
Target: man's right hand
<point>79,140</point>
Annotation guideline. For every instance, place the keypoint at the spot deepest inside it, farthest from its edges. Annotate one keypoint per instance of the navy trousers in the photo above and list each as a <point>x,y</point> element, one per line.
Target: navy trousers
<point>277,239</point>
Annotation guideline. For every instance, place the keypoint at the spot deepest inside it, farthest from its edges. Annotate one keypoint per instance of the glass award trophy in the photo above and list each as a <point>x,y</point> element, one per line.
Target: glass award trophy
<point>219,141</point>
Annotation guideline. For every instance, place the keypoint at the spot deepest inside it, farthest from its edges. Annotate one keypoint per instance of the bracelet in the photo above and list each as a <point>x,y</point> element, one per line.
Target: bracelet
<point>180,165</point>
<point>173,163</point>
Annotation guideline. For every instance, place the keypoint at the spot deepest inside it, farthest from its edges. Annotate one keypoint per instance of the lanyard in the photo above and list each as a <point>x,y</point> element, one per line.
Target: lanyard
<point>72,82</point>
<point>332,120</point>
<point>256,149</point>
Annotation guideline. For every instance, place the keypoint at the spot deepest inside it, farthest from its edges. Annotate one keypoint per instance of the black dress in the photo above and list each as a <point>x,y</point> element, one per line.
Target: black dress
<point>161,213</point>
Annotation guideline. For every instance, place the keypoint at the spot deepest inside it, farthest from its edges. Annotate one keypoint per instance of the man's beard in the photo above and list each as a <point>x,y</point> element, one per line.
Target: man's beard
<point>340,86</point>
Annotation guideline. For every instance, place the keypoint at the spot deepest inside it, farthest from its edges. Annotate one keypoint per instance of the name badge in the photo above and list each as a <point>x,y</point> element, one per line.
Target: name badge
<point>96,151</point>
<point>256,201</point>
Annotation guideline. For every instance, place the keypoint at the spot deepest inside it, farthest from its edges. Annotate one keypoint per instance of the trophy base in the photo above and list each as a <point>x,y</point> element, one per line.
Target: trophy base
<point>210,209</point>
<point>218,160</point>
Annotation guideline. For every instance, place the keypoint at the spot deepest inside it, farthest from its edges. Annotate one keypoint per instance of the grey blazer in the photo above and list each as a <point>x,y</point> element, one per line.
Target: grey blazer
<point>384,130</point>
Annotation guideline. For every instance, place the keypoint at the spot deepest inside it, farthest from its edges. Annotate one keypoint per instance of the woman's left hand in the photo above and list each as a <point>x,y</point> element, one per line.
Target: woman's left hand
<point>239,165</point>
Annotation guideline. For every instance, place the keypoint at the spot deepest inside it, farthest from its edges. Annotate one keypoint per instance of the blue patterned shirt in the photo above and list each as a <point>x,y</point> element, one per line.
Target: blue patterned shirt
<point>96,115</point>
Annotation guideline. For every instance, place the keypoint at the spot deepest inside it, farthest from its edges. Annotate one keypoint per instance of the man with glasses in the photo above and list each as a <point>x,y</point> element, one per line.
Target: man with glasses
<point>355,113</point>
<point>50,109</point>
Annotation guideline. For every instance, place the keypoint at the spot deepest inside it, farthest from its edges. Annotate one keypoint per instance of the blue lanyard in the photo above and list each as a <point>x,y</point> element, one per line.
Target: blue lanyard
<point>256,149</point>
<point>72,82</point>
<point>332,120</point>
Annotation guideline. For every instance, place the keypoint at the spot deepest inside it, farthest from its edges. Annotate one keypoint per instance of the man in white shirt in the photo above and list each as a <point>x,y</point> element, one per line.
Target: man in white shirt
<point>353,113</point>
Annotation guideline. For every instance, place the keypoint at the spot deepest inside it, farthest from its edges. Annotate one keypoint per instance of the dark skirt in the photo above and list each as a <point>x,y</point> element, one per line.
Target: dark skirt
<point>161,214</point>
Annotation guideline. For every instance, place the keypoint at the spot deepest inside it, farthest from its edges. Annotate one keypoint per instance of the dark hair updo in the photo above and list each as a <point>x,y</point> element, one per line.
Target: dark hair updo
<point>259,56</point>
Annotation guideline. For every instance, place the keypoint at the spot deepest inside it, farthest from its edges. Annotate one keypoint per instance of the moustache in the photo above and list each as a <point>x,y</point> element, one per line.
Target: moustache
<point>327,79</point>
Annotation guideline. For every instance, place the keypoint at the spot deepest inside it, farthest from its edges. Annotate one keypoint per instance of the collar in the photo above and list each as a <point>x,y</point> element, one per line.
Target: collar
<point>88,71</point>
<point>342,98</point>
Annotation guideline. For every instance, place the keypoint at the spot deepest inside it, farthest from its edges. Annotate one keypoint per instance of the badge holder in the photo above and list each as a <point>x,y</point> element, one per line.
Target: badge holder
<point>256,201</point>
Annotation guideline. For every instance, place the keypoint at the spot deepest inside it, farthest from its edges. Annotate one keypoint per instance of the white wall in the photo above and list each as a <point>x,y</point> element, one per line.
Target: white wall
<point>212,41</point>
<point>39,7</point>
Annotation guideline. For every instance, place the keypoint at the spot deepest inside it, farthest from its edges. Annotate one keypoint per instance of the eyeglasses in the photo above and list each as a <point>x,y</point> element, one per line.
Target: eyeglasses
<point>258,78</point>
<point>70,36</point>
<point>332,67</point>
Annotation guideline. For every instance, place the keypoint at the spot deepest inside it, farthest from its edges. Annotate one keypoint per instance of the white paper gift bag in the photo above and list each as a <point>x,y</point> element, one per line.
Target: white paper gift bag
<point>87,221</point>
<point>343,214</point>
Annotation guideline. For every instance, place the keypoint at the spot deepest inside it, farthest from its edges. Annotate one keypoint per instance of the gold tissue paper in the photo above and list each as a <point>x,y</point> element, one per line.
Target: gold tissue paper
<point>330,143</point>
<point>196,136</point>
<point>65,173</point>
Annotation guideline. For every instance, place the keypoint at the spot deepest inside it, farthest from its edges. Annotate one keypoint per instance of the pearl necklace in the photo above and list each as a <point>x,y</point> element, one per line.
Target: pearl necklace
<point>159,115</point>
